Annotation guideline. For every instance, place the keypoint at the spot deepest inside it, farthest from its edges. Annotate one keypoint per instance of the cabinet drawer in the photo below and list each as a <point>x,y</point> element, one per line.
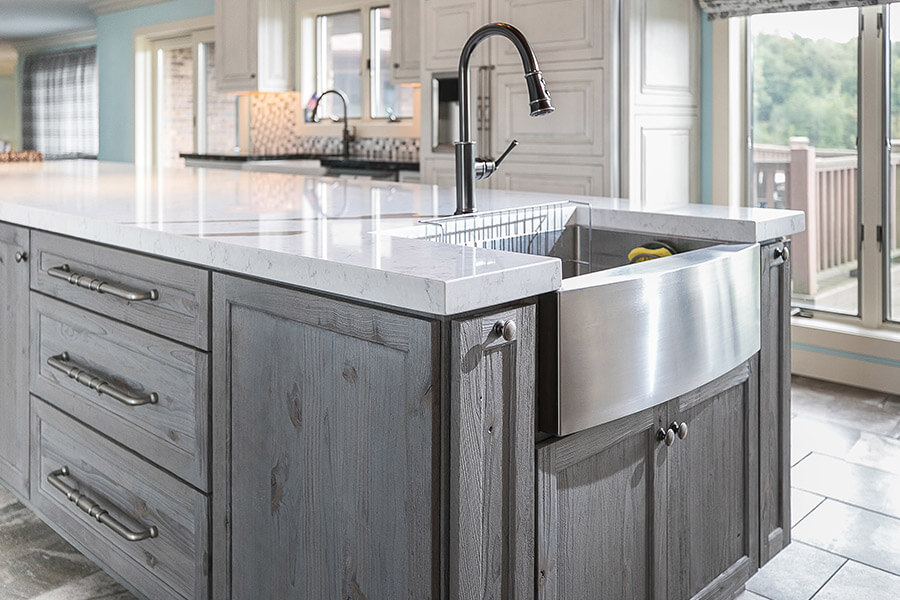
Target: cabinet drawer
<point>122,492</point>
<point>153,294</point>
<point>146,392</point>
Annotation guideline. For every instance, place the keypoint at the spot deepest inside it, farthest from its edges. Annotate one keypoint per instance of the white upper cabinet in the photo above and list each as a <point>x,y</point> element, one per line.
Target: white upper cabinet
<point>558,30</point>
<point>447,26</point>
<point>406,37</point>
<point>253,45</point>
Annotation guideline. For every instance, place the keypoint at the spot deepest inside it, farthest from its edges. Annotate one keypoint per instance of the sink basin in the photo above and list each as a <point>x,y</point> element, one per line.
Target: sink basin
<point>617,338</point>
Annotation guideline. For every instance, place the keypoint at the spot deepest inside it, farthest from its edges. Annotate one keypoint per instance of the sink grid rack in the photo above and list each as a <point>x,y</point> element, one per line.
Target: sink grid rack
<point>535,229</point>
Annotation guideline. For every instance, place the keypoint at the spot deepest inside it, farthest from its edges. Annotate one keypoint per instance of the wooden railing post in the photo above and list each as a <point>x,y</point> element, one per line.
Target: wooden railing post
<point>804,245</point>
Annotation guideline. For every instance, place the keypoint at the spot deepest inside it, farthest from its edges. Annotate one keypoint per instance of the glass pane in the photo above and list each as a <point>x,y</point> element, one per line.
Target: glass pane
<point>892,248</point>
<point>805,80</point>
<point>221,109</point>
<point>339,61</point>
<point>387,99</point>
<point>174,104</point>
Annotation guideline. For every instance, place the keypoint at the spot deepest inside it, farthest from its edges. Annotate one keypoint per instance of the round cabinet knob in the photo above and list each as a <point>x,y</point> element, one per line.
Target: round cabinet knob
<point>21,256</point>
<point>506,329</point>
<point>784,252</point>
<point>679,429</point>
<point>666,435</point>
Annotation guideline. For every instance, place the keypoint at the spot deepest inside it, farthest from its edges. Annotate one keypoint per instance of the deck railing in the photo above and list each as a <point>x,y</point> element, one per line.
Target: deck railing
<point>823,184</point>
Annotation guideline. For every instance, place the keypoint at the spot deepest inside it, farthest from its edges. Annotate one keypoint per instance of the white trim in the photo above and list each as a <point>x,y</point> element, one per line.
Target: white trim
<point>104,7</point>
<point>729,111</point>
<point>51,41</point>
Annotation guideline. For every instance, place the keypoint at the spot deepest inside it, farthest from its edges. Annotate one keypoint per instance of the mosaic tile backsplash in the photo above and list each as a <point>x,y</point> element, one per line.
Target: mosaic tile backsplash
<point>274,118</point>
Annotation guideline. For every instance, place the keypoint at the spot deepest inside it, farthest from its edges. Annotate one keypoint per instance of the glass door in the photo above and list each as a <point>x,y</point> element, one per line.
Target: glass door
<point>804,70</point>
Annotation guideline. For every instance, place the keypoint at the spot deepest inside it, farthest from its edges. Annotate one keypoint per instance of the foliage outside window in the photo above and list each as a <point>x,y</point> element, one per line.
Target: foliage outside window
<point>363,71</point>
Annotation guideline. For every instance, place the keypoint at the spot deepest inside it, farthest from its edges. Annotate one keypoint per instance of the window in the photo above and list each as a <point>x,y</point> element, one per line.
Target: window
<point>189,114</point>
<point>59,104</point>
<point>353,54</point>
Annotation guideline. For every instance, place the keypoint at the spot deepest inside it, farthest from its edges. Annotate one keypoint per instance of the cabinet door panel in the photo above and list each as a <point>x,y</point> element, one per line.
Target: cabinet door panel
<point>326,447</point>
<point>712,516</point>
<point>14,422</point>
<point>447,26</point>
<point>406,40</point>
<point>492,424</point>
<point>558,30</point>
<point>774,404</point>
<point>601,511</point>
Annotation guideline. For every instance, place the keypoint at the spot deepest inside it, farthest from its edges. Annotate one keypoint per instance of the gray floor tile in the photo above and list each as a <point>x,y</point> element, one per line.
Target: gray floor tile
<point>877,451</point>
<point>803,503</point>
<point>865,487</point>
<point>846,406</point>
<point>796,573</point>
<point>854,580</point>
<point>855,533</point>
<point>44,569</point>
<point>825,437</point>
<point>748,595</point>
<point>98,586</point>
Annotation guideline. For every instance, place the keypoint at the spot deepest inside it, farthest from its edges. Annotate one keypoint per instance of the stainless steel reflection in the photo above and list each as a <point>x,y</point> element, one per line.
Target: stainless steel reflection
<point>618,341</point>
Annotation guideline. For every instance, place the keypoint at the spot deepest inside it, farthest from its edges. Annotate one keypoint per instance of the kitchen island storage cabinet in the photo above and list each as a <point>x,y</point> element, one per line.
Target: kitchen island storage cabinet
<point>657,505</point>
<point>14,358</point>
<point>775,401</point>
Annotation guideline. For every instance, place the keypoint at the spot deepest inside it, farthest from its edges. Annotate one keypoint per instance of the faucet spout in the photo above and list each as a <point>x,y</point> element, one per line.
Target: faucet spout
<point>346,137</point>
<point>467,165</point>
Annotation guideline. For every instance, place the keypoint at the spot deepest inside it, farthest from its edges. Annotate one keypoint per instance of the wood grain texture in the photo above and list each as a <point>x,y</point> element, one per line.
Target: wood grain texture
<point>712,514</point>
<point>327,477</point>
<point>492,428</point>
<point>173,432</point>
<point>602,508</point>
<point>181,312</point>
<point>175,564</point>
<point>774,404</point>
<point>14,360</point>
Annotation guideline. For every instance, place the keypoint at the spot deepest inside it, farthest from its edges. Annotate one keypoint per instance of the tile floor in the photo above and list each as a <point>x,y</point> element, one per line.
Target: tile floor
<point>845,506</point>
<point>845,499</point>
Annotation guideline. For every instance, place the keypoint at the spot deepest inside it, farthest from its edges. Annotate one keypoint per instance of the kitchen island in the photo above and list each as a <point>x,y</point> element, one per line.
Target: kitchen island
<point>266,385</point>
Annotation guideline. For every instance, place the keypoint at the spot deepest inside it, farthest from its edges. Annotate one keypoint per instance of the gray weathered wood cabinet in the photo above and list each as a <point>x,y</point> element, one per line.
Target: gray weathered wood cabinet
<point>14,358</point>
<point>348,463</point>
<point>623,515</point>
<point>775,401</point>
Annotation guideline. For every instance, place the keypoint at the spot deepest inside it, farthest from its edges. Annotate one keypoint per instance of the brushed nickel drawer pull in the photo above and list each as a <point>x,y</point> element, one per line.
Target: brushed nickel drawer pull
<point>96,511</point>
<point>101,287</point>
<point>97,384</point>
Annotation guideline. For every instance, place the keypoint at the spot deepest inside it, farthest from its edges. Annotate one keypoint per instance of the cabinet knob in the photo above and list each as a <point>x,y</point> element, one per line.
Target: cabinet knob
<point>505,329</point>
<point>21,256</point>
<point>783,252</point>
<point>396,65</point>
<point>679,429</point>
<point>665,435</point>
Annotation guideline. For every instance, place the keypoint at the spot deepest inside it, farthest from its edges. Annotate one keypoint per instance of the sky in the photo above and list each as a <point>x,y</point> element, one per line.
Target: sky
<point>839,24</point>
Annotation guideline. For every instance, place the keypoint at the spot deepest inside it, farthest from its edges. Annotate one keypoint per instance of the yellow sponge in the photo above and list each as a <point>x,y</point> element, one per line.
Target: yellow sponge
<point>649,252</point>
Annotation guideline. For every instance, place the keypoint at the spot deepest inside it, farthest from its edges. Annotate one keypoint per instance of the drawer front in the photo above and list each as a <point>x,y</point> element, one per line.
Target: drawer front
<point>148,393</point>
<point>159,296</point>
<point>138,499</point>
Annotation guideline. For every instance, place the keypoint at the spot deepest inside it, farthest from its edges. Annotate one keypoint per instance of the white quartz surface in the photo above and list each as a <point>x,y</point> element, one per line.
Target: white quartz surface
<point>326,234</point>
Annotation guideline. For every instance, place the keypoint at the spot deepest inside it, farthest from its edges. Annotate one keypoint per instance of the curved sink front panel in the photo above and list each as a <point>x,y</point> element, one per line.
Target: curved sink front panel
<point>615,342</point>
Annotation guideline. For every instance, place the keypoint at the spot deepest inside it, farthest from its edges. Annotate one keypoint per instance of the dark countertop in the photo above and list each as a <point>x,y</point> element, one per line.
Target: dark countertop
<point>331,161</point>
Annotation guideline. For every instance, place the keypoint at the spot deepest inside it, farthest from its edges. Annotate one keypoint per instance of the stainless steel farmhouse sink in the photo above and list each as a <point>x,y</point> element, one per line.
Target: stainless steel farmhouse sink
<point>617,337</point>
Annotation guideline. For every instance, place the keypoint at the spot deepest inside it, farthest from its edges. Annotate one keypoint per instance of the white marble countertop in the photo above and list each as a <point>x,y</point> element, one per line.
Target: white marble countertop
<point>327,234</point>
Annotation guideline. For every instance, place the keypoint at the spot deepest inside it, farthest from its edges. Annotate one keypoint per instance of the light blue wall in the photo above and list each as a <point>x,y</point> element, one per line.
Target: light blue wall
<point>115,61</point>
<point>706,111</point>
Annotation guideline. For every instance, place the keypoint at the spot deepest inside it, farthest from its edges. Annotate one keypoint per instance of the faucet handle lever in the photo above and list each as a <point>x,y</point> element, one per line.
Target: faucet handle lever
<point>506,152</point>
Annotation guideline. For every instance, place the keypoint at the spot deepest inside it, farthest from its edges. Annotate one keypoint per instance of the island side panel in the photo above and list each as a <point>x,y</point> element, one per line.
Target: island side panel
<point>492,436</point>
<point>327,457</point>
<point>775,401</point>
<point>14,402</point>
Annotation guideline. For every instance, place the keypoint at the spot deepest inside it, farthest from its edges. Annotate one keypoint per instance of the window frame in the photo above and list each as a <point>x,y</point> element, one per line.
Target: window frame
<point>307,60</point>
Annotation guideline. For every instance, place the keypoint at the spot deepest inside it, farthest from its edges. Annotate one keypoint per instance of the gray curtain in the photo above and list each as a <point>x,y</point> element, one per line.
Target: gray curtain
<point>59,103</point>
<point>720,9</point>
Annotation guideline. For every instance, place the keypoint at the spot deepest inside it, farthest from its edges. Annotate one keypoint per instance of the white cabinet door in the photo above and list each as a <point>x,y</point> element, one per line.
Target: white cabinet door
<point>406,40</point>
<point>579,127</point>
<point>447,26</point>
<point>664,153</point>
<point>551,177</point>
<point>253,45</point>
<point>558,30</point>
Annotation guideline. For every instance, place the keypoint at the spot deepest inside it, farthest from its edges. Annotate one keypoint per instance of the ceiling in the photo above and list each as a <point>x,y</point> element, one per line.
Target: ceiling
<point>28,19</point>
